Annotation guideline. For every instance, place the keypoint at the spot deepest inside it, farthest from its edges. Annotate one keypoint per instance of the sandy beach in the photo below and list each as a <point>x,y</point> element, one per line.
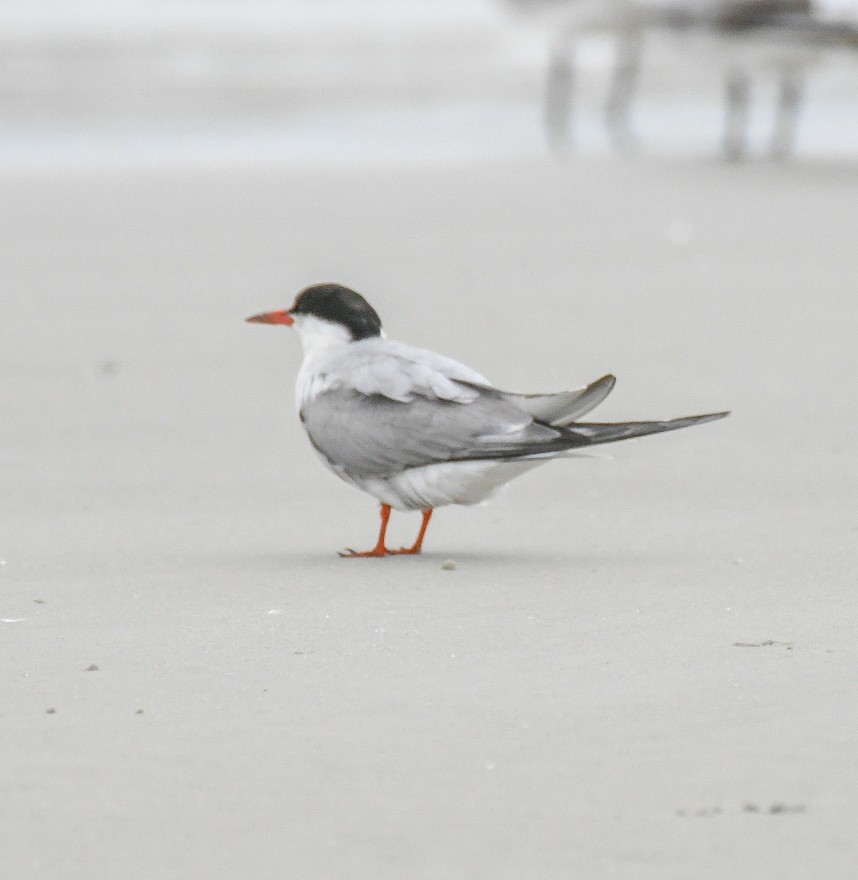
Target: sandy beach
<point>642,667</point>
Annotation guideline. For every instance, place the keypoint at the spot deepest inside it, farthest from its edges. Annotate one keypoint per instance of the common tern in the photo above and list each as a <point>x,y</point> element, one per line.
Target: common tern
<point>418,430</point>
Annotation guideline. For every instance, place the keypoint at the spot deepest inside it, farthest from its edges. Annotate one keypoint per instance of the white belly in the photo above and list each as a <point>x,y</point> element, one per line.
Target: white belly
<point>466,482</point>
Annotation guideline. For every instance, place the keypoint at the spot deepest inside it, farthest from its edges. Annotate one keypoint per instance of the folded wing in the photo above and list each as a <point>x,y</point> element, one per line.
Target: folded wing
<point>374,435</point>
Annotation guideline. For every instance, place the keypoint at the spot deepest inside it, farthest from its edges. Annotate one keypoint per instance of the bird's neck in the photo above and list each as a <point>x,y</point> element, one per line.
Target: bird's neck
<point>321,341</point>
<point>320,338</point>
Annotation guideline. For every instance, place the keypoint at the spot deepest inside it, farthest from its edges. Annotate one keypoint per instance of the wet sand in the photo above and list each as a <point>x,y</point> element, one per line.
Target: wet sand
<point>638,668</point>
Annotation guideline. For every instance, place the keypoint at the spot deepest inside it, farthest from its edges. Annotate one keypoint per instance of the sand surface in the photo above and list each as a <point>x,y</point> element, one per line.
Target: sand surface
<point>639,668</point>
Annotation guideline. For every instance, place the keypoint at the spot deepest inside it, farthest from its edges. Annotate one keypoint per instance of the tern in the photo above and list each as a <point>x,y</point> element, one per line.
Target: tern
<point>418,430</point>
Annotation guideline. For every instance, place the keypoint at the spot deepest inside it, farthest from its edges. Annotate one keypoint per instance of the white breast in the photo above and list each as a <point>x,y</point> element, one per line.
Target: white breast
<point>321,342</point>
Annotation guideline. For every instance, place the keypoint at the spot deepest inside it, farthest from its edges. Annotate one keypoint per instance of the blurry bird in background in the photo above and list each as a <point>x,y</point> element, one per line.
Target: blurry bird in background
<point>745,38</point>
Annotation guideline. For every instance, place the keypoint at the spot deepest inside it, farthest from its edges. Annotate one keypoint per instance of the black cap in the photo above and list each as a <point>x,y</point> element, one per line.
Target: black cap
<point>338,304</point>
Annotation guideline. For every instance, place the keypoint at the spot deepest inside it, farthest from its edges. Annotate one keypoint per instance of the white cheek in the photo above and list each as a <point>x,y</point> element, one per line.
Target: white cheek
<point>318,336</point>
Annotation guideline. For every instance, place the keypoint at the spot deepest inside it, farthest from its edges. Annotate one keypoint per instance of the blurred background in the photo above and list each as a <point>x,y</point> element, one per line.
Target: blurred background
<point>119,81</point>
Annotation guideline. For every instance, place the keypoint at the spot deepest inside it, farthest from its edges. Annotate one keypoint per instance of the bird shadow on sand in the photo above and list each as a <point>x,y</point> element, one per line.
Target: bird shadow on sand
<point>571,558</point>
<point>499,560</point>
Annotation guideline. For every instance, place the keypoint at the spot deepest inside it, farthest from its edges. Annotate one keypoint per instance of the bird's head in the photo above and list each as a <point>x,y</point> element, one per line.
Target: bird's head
<point>327,309</point>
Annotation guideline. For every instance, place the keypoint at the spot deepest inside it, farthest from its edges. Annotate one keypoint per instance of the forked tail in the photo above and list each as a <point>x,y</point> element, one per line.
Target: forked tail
<point>594,433</point>
<point>577,436</point>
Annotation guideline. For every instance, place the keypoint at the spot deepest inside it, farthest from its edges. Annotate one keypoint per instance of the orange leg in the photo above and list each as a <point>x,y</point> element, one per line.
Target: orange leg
<point>380,548</point>
<point>416,546</point>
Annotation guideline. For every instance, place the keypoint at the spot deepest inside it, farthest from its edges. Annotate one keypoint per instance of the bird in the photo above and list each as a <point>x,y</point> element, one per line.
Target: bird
<point>418,430</point>
<point>744,37</point>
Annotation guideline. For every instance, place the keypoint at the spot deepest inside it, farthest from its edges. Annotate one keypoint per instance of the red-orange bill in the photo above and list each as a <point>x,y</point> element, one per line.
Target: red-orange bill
<point>281,317</point>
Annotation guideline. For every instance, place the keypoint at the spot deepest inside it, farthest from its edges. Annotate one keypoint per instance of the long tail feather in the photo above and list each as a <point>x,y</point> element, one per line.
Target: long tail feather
<point>593,433</point>
<point>581,435</point>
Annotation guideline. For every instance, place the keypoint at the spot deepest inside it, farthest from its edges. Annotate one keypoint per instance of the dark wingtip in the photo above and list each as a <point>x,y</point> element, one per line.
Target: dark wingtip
<point>688,421</point>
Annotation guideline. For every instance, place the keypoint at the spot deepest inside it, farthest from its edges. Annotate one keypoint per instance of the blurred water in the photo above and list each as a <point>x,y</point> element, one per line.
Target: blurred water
<point>366,81</point>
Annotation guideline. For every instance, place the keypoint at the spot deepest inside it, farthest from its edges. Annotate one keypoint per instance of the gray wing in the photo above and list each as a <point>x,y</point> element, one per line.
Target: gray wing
<point>565,407</point>
<point>372,435</point>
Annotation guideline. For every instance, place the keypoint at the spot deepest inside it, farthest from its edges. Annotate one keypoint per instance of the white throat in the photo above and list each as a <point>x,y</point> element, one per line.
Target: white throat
<point>320,340</point>
<point>320,337</point>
